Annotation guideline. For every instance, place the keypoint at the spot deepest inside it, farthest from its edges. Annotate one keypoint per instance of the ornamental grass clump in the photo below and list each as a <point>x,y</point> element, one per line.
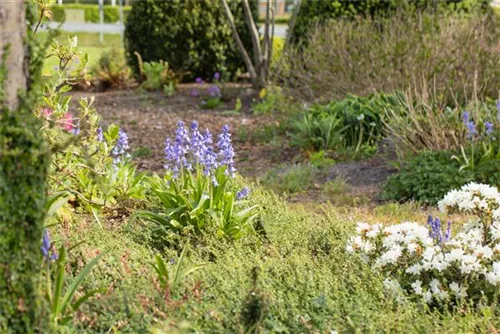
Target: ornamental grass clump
<point>197,192</point>
<point>429,264</point>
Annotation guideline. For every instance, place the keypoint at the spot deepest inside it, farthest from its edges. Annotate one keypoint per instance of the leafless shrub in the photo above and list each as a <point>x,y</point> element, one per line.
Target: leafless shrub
<point>454,54</point>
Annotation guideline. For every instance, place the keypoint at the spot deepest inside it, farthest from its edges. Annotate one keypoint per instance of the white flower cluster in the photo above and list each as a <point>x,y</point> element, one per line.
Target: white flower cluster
<point>473,198</point>
<point>439,270</point>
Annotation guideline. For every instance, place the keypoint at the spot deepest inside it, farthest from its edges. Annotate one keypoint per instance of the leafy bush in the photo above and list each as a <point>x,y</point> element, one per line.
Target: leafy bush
<point>430,175</point>
<point>158,75</point>
<point>111,70</point>
<point>427,52</point>
<point>192,36</point>
<point>195,193</point>
<point>91,12</point>
<point>433,266</point>
<point>89,163</point>
<point>313,13</point>
<point>354,123</point>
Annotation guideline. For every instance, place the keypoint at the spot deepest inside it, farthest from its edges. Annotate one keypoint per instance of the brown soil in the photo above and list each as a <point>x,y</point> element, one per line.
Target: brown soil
<point>149,118</point>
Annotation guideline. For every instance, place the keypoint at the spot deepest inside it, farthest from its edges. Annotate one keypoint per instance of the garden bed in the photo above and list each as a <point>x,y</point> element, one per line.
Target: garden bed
<point>147,118</point>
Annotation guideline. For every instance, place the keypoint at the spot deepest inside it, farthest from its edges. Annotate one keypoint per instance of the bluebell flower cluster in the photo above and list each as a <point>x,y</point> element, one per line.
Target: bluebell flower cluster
<point>243,193</point>
<point>226,151</point>
<point>471,128</point>
<point>436,231</point>
<point>214,91</point>
<point>489,128</point>
<point>469,125</point>
<point>47,249</point>
<point>121,147</point>
<point>188,151</point>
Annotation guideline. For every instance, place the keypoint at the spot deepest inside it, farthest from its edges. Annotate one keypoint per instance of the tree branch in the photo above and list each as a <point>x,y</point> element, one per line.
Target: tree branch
<point>291,24</point>
<point>254,32</point>
<point>241,47</point>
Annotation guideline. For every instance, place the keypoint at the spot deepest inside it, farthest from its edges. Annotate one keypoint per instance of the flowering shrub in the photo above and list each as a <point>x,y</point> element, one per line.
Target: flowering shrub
<point>89,163</point>
<point>429,264</point>
<point>196,190</point>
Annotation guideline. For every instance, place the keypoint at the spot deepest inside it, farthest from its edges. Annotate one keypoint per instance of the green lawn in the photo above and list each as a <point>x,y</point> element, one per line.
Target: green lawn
<point>88,43</point>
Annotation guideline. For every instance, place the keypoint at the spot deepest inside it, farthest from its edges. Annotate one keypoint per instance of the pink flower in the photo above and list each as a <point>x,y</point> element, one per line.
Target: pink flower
<point>67,122</point>
<point>46,112</point>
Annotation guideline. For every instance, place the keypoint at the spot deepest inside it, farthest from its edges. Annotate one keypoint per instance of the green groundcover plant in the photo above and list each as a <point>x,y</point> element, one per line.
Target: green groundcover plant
<point>354,124</point>
<point>456,148</point>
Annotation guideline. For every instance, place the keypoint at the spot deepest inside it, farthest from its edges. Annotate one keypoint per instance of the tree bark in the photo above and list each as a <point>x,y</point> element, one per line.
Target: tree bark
<point>13,32</point>
<point>23,169</point>
<point>254,32</point>
<point>246,58</point>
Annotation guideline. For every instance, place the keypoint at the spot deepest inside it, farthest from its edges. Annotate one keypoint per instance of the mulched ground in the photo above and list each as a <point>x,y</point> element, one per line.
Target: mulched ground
<point>149,118</point>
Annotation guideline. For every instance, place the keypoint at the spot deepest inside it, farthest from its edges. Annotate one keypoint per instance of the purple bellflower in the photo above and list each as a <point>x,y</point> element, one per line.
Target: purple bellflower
<point>47,246</point>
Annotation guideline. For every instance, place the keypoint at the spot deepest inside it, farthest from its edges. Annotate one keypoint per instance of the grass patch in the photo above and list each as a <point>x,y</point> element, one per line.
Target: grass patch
<point>87,42</point>
<point>291,179</point>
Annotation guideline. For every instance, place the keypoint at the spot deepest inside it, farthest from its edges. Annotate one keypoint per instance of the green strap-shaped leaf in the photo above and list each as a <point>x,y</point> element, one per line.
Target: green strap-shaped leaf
<point>77,281</point>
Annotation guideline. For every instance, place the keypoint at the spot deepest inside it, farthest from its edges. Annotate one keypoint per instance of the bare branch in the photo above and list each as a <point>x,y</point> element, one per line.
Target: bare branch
<point>254,32</point>
<point>241,47</point>
<point>291,24</point>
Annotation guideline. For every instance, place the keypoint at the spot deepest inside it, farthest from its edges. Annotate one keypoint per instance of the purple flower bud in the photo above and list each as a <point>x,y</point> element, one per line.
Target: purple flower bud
<point>121,147</point>
<point>447,235</point>
<point>489,128</point>
<point>465,117</point>
<point>47,246</point>
<point>100,135</point>
<point>199,80</point>
<point>471,129</point>
<point>217,76</point>
<point>435,231</point>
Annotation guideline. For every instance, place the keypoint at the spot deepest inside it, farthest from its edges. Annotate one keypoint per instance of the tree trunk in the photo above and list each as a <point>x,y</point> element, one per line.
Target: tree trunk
<point>23,170</point>
<point>13,28</point>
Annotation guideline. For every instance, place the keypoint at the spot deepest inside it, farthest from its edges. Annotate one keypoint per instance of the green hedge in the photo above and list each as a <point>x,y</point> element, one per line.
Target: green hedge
<point>111,14</point>
<point>23,169</point>
<point>193,36</point>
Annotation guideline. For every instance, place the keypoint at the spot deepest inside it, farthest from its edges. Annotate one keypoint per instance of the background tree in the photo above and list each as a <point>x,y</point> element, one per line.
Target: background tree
<point>23,169</point>
<point>258,67</point>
